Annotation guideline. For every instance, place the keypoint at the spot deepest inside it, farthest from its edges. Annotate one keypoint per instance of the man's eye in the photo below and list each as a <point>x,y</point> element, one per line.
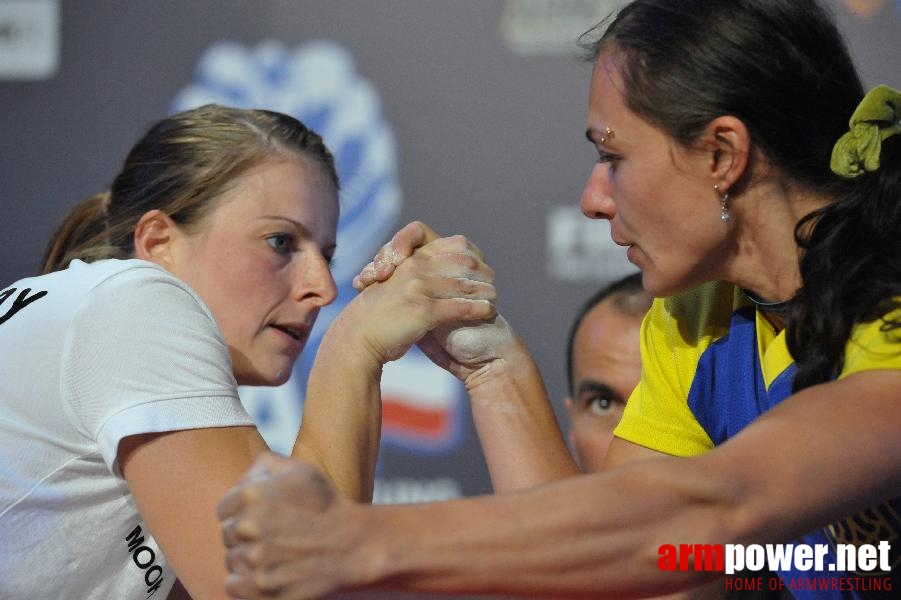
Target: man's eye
<point>599,405</point>
<point>280,242</point>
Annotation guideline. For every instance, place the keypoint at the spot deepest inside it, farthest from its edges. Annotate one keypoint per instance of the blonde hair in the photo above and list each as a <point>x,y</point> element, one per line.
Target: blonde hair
<point>180,166</point>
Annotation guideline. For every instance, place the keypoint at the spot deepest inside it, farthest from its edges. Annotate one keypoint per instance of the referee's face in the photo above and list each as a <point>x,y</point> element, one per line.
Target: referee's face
<point>606,368</point>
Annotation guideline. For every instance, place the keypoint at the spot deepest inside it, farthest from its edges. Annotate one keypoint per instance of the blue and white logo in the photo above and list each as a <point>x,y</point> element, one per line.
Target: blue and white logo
<point>318,84</point>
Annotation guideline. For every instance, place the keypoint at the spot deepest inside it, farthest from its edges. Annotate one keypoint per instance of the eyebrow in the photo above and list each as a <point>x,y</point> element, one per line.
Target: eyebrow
<point>331,245</point>
<point>598,387</point>
<point>296,224</point>
<point>596,136</point>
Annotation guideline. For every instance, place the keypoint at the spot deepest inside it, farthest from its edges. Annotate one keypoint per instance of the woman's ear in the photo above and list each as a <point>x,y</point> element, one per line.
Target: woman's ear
<point>730,143</point>
<point>154,237</point>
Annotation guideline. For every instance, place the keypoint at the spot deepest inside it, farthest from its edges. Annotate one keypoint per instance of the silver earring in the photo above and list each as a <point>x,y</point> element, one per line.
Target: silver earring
<point>725,217</point>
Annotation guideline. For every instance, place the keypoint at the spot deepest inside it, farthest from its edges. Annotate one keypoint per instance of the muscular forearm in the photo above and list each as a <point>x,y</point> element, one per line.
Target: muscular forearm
<point>340,431</point>
<point>599,535</point>
<point>516,425</point>
<point>569,538</point>
<point>819,456</point>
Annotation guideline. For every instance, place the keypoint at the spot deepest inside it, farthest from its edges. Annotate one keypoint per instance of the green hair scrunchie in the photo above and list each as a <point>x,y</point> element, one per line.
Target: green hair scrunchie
<point>877,118</point>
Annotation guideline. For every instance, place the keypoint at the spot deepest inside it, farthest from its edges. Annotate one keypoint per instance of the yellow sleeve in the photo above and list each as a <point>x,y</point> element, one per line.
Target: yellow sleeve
<point>871,348</point>
<point>674,334</point>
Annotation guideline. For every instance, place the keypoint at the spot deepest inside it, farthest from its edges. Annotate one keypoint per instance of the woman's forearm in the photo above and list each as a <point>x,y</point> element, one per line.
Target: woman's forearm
<point>515,422</point>
<point>341,427</point>
<point>576,537</point>
<point>600,535</point>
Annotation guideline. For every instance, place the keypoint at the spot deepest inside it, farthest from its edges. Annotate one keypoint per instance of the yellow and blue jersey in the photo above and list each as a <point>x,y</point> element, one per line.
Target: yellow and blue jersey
<point>712,363</point>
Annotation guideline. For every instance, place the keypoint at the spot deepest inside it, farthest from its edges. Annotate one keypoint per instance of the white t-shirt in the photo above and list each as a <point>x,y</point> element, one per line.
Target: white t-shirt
<point>89,356</point>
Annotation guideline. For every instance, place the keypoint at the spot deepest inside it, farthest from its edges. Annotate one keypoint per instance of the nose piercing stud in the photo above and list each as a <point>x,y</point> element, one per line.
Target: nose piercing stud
<point>609,135</point>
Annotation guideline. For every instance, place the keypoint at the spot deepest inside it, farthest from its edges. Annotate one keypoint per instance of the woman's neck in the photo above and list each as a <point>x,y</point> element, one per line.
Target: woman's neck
<point>766,258</point>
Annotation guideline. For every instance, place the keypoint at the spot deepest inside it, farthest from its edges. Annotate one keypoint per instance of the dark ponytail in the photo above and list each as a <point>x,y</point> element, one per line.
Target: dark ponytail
<point>82,235</point>
<point>851,269</point>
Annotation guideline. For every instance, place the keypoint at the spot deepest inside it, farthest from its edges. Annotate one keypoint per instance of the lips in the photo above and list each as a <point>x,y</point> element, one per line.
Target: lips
<point>617,240</point>
<point>630,247</point>
<point>296,332</point>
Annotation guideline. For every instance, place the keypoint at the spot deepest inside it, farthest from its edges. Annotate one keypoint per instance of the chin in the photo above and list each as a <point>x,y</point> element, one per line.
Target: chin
<point>665,286</point>
<point>263,368</point>
<point>653,286</point>
<point>272,378</point>
<point>281,377</point>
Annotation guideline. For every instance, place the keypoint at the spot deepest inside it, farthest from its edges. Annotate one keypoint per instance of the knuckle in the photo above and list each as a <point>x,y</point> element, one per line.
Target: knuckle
<point>470,262</point>
<point>459,242</point>
<point>479,309</point>
<point>464,308</point>
<point>247,529</point>
<point>264,581</point>
<point>468,309</point>
<point>254,555</point>
<point>238,586</point>
<point>451,244</point>
<point>466,287</point>
<point>421,231</point>
<point>251,494</point>
<point>270,557</point>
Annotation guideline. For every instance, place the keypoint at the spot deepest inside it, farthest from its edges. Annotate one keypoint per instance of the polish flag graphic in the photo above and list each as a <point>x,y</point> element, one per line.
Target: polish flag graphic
<point>421,404</point>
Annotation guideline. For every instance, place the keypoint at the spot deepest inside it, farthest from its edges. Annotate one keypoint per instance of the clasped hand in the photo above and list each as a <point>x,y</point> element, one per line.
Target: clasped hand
<point>463,346</point>
<point>417,283</point>
<point>283,533</point>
